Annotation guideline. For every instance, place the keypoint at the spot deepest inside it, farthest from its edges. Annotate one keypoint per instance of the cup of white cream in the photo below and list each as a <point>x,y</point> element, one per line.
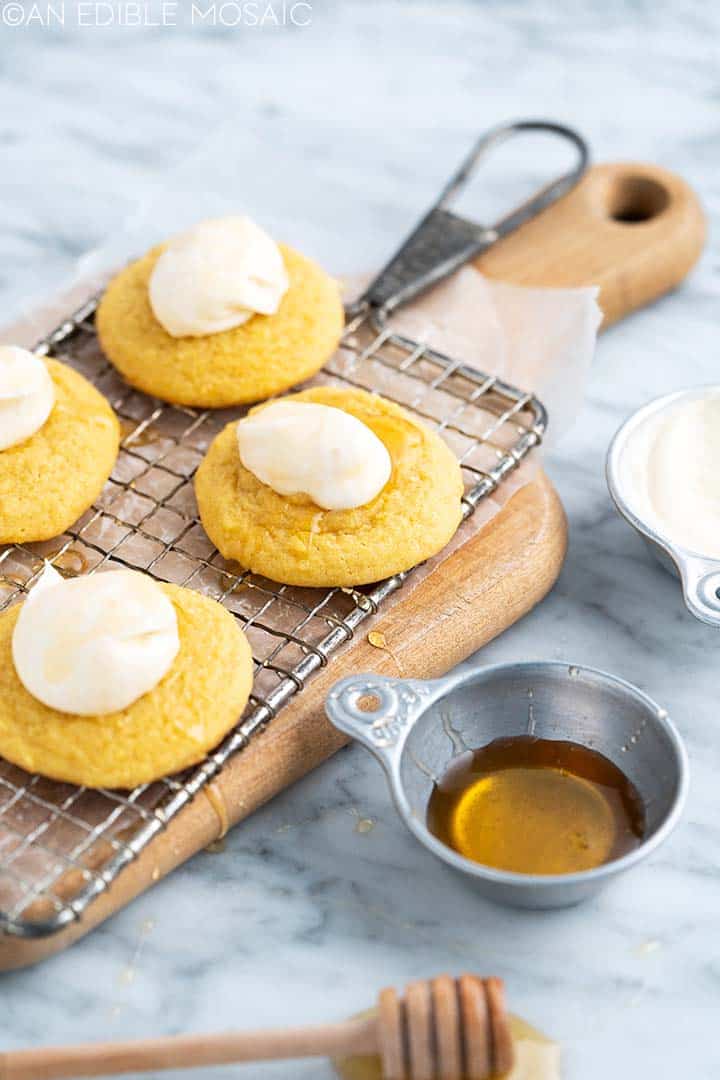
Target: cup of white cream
<point>663,472</point>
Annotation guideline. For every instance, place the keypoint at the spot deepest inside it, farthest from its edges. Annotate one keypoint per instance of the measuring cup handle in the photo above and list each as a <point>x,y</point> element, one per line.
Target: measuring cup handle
<point>701,588</point>
<point>443,241</point>
<point>378,711</point>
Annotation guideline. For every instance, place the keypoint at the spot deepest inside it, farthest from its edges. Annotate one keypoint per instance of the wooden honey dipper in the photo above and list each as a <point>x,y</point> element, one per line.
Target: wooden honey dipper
<point>443,1029</point>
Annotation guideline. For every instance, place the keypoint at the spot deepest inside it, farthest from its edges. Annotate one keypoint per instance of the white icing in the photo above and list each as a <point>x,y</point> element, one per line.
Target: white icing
<point>674,472</point>
<point>27,395</point>
<point>215,276</point>
<point>95,644</point>
<point>316,450</point>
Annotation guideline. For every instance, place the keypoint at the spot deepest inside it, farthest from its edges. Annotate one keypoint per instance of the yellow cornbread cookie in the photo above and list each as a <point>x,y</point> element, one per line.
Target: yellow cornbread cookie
<point>50,479</point>
<point>168,729</point>
<point>264,356</point>
<point>289,538</point>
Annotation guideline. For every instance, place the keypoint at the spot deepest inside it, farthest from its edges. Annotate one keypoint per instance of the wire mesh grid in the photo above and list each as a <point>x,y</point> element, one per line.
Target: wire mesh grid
<point>61,845</point>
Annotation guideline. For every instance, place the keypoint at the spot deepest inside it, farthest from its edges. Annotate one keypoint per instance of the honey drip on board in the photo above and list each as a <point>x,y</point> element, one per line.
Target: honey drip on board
<point>70,563</point>
<point>536,806</point>
<point>132,435</point>
<point>536,1057</point>
<point>215,797</point>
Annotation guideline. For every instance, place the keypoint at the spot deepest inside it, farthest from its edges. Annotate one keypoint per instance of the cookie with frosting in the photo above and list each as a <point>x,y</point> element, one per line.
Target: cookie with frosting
<point>330,486</point>
<point>59,440</point>
<point>220,315</point>
<point>113,679</point>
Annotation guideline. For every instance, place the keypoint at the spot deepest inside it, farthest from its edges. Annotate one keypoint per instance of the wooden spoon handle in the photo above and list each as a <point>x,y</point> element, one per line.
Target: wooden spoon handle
<point>188,1051</point>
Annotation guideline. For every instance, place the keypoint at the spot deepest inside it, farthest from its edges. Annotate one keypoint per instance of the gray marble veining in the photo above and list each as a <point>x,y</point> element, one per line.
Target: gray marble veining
<point>335,136</point>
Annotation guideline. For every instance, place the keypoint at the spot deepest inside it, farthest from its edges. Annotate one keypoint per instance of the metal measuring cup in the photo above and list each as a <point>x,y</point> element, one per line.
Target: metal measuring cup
<point>416,728</point>
<point>700,576</point>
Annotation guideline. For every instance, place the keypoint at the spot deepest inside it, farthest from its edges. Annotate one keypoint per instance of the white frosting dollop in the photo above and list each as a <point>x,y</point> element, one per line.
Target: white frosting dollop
<point>95,644</point>
<point>215,276</point>
<point>300,447</point>
<point>27,395</point>
<point>674,470</point>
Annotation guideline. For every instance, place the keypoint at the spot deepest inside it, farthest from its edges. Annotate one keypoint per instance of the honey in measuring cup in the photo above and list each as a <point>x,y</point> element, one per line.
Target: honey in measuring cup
<point>536,806</point>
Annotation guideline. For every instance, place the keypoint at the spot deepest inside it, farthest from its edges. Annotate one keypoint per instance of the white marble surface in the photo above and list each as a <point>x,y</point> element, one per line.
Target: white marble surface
<point>337,134</point>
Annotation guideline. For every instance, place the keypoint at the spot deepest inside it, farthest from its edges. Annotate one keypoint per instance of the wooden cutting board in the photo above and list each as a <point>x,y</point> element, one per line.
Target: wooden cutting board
<point>633,230</point>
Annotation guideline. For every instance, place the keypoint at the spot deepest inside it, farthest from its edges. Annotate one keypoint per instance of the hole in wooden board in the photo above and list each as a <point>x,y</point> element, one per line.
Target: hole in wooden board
<point>634,199</point>
<point>369,703</point>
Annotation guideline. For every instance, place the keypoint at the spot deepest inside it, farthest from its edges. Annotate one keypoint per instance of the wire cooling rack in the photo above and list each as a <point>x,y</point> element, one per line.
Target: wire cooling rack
<point>61,845</point>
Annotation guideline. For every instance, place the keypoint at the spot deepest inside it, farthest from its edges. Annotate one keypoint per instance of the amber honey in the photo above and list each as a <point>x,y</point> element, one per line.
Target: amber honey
<point>536,1057</point>
<point>536,806</point>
